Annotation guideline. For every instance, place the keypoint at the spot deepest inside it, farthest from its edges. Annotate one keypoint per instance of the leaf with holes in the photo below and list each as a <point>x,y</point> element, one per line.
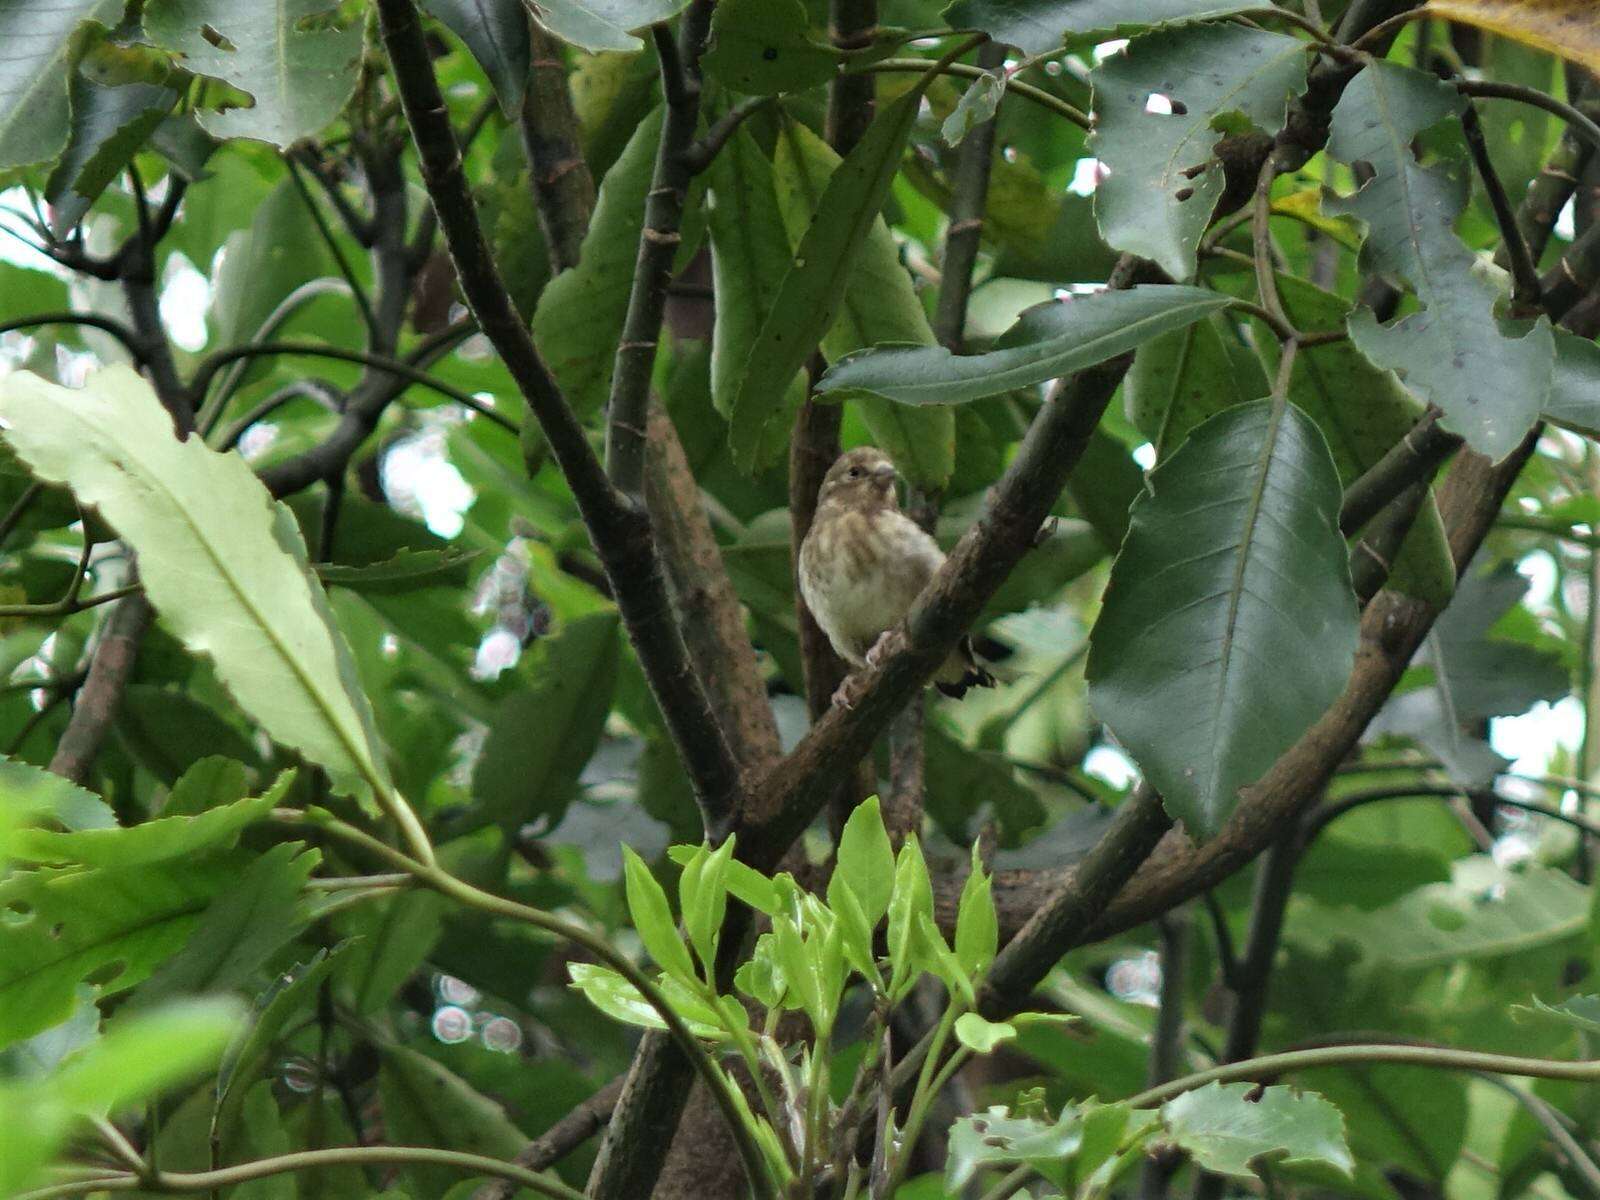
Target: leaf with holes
<point>298,64</point>
<point>1490,381</point>
<point>1233,566</point>
<point>1227,1127</point>
<point>1034,26</point>
<point>764,47</point>
<point>223,564</point>
<point>1164,178</point>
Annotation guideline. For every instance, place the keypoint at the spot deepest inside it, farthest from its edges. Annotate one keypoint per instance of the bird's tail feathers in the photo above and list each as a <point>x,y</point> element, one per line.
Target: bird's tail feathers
<point>963,671</point>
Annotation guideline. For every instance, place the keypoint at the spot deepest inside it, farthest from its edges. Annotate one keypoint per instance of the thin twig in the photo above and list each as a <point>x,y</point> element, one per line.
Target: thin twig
<point>1575,117</point>
<point>1524,272</point>
<point>332,243</point>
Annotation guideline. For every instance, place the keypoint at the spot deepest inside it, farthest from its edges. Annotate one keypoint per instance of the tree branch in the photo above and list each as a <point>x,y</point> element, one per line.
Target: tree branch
<point>968,200</point>
<point>1524,271</point>
<point>563,188</point>
<point>658,245</point>
<point>1415,456</point>
<point>561,1139</point>
<point>619,528</point>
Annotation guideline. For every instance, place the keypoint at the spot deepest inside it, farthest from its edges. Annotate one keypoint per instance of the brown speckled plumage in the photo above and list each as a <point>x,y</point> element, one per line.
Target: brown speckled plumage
<point>864,562</point>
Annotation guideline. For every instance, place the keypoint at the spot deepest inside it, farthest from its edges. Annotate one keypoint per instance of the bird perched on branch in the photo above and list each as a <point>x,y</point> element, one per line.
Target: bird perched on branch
<point>864,562</point>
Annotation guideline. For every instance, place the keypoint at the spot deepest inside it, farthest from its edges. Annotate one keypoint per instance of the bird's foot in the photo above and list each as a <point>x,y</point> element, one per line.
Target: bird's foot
<point>890,642</point>
<point>848,692</point>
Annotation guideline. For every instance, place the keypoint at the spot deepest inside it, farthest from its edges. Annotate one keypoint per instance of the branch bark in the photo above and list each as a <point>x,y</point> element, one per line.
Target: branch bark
<point>618,527</point>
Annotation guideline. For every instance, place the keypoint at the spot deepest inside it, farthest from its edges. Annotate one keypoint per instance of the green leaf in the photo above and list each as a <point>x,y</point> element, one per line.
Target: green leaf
<point>241,928</point>
<point>1034,26</point>
<point>1476,673</point>
<point>1228,1126</point>
<point>1180,379</point>
<point>113,926</point>
<point>813,288</point>
<point>1360,434</point>
<point>1048,341</point>
<point>299,67</point>
<point>596,25</point>
<point>652,918</point>
<point>158,840</point>
<point>880,305</point>
<point>1485,911</point>
<point>865,861</point>
<point>1233,566</point>
<point>223,564</point>
<point>1455,353</point>
<point>978,104</point>
<point>1577,1012</point>
<point>496,31</point>
<point>25,787</point>
<point>763,47</point>
<point>799,961</point>
<point>980,1036</point>
<point>1164,179</point>
<point>407,570</point>
<point>1574,399</point>
<point>621,1001</point>
<point>250,1052</point>
<point>109,124</point>
<point>855,932</point>
<point>744,882</point>
<point>34,74</point>
<point>143,1054</point>
<point>276,251</point>
<point>703,899</point>
<point>167,730</point>
<point>910,903</point>
<point>543,734</point>
<point>391,939</point>
<point>977,926</point>
<point>427,1104</point>
<point>996,1138</point>
<point>580,313</point>
<point>749,257</point>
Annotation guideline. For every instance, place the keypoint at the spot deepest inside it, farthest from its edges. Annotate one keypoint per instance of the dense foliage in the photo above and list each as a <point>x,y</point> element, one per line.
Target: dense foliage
<point>429,736</point>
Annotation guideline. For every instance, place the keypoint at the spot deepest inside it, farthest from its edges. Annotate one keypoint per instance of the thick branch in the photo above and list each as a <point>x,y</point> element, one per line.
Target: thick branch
<point>968,199</point>
<point>619,528</point>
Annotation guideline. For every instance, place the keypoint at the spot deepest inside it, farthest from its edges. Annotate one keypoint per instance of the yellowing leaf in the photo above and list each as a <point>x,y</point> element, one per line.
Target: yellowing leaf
<point>1568,28</point>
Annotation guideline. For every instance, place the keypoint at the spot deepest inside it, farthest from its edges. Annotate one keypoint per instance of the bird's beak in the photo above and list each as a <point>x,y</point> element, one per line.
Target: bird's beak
<point>885,474</point>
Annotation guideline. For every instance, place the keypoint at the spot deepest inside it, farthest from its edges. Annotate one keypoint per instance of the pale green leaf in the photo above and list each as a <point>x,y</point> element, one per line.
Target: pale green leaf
<point>1227,1127</point>
<point>223,564</point>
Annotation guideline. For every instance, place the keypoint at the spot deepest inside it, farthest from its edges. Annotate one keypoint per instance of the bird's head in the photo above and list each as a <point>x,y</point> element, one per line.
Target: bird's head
<point>860,476</point>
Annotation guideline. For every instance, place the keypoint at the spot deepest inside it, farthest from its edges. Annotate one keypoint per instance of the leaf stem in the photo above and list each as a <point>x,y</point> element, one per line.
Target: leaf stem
<point>308,1160</point>
<point>967,71</point>
<point>1575,117</point>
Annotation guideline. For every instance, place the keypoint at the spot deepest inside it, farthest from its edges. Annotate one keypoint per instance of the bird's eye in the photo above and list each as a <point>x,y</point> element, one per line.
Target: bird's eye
<point>855,472</point>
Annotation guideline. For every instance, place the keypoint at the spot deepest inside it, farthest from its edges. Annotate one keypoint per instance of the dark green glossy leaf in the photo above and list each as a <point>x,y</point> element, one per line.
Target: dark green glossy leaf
<point>34,114</point>
<point>496,31</point>
<point>1475,674</point>
<point>578,321</point>
<point>880,305</point>
<point>390,939</point>
<point>1164,179</point>
<point>1233,566</point>
<point>427,1104</point>
<point>167,731</point>
<point>1490,383</point>
<point>407,570</point>
<point>749,258</point>
<point>109,124</point>
<point>813,289</point>
<point>544,733</point>
<point>1575,385</point>
<point>299,68</point>
<point>1228,1127</point>
<point>1034,26</point>
<point>1180,379</point>
<point>764,47</point>
<point>1048,341</point>
<point>596,25</point>
<point>241,928</point>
